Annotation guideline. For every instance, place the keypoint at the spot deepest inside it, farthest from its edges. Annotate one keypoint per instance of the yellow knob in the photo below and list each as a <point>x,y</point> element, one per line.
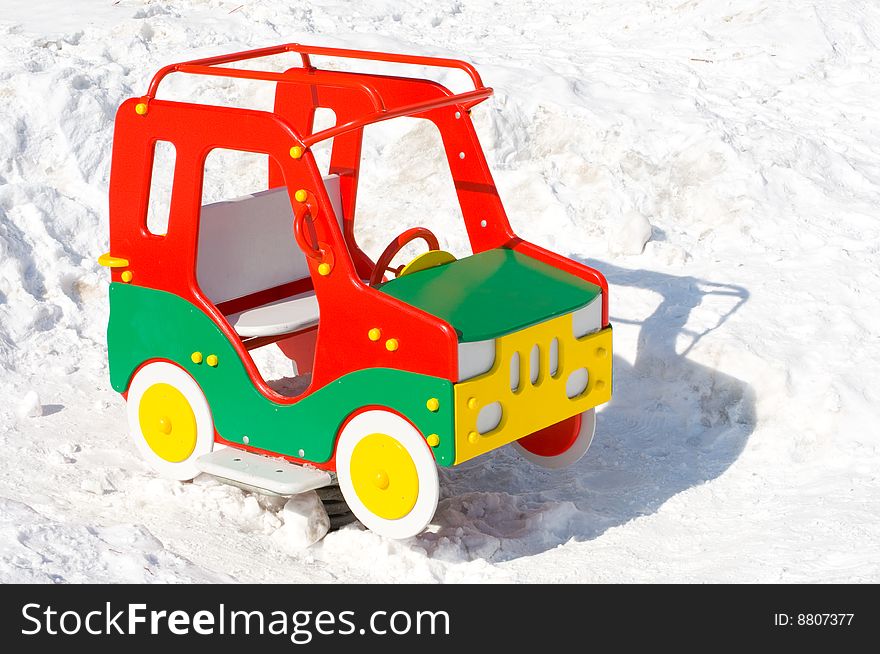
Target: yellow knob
<point>473,436</point>
<point>433,440</point>
<point>165,425</point>
<point>197,357</point>
<point>391,344</point>
<point>324,269</point>
<point>601,352</point>
<point>600,384</point>
<point>301,195</point>
<point>381,480</point>
<point>126,276</point>
<point>140,108</point>
<point>374,334</point>
<point>433,404</point>
<point>472,403</point>
<point>212,360</point>
<point>296,152</point>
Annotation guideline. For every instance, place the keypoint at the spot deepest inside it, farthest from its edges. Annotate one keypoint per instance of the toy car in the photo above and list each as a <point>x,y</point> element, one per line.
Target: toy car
<point>430,363</point>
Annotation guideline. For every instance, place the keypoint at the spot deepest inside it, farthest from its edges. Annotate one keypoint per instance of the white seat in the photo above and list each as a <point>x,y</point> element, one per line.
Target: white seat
<point>281,317</point>
<point>247,245</point>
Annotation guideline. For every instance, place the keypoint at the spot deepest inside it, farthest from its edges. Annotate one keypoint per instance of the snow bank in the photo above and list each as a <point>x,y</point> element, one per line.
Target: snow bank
<point>37,549</point>
<point>719,161</point>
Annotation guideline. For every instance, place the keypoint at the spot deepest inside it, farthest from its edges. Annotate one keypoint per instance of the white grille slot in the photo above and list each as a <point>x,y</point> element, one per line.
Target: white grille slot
<point>514,372</point>
<point>577,383</point>
<point>534,364</point>
<point>554,357</point>
<point>489,418</point>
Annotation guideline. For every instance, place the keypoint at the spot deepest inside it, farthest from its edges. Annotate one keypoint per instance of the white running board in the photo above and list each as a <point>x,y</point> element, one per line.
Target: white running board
<point>261,473</point>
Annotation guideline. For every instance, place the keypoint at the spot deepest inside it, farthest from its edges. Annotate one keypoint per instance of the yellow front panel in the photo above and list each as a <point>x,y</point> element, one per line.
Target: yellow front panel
<point>532,405</point>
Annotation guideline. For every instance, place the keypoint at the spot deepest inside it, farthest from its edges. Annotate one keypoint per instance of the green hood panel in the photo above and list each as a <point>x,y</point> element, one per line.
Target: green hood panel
<point>493,293</point>
<point>146,324</point>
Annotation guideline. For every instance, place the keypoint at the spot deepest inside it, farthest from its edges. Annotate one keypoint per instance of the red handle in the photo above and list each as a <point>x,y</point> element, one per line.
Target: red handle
<point>305,211</point>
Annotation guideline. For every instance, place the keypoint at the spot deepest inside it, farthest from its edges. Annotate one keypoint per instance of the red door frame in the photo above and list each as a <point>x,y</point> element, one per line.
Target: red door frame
<point>426,344</point>
<point>483,212</point>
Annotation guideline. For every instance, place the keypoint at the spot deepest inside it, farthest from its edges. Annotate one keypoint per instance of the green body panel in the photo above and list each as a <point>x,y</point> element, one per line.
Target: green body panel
<point>146,324</point>
<point>493,293</point>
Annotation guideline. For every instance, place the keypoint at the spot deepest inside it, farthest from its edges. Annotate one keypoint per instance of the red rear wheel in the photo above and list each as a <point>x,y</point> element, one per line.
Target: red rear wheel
<point>562,444</point>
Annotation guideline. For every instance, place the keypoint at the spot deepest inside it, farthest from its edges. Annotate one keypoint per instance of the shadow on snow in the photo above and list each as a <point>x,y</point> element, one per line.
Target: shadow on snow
<point>672,424</point>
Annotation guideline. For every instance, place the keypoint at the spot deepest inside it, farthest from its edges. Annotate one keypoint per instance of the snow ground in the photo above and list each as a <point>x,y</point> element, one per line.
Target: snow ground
<point>742,440</point>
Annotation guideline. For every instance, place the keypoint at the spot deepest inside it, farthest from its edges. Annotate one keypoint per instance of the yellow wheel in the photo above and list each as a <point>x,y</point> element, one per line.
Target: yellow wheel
<point>387,474</point>
<point>384,476</point>
<point>167,422</point>
<point>169,419</point>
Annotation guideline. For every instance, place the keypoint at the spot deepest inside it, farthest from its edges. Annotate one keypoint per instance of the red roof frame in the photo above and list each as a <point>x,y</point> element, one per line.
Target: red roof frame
<point>211,66</point>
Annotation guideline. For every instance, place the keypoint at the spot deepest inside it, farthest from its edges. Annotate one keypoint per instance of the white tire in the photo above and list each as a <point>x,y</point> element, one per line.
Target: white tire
<point>387,474</point>
<point>169,420</point>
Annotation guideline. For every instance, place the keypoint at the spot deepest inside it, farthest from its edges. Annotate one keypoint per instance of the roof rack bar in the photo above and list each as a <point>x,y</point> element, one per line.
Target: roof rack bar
<point>240,56</point>
<point>203,66</point>
<point>370,55</point>
<point>466,100</point>
<point>294,75</point>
